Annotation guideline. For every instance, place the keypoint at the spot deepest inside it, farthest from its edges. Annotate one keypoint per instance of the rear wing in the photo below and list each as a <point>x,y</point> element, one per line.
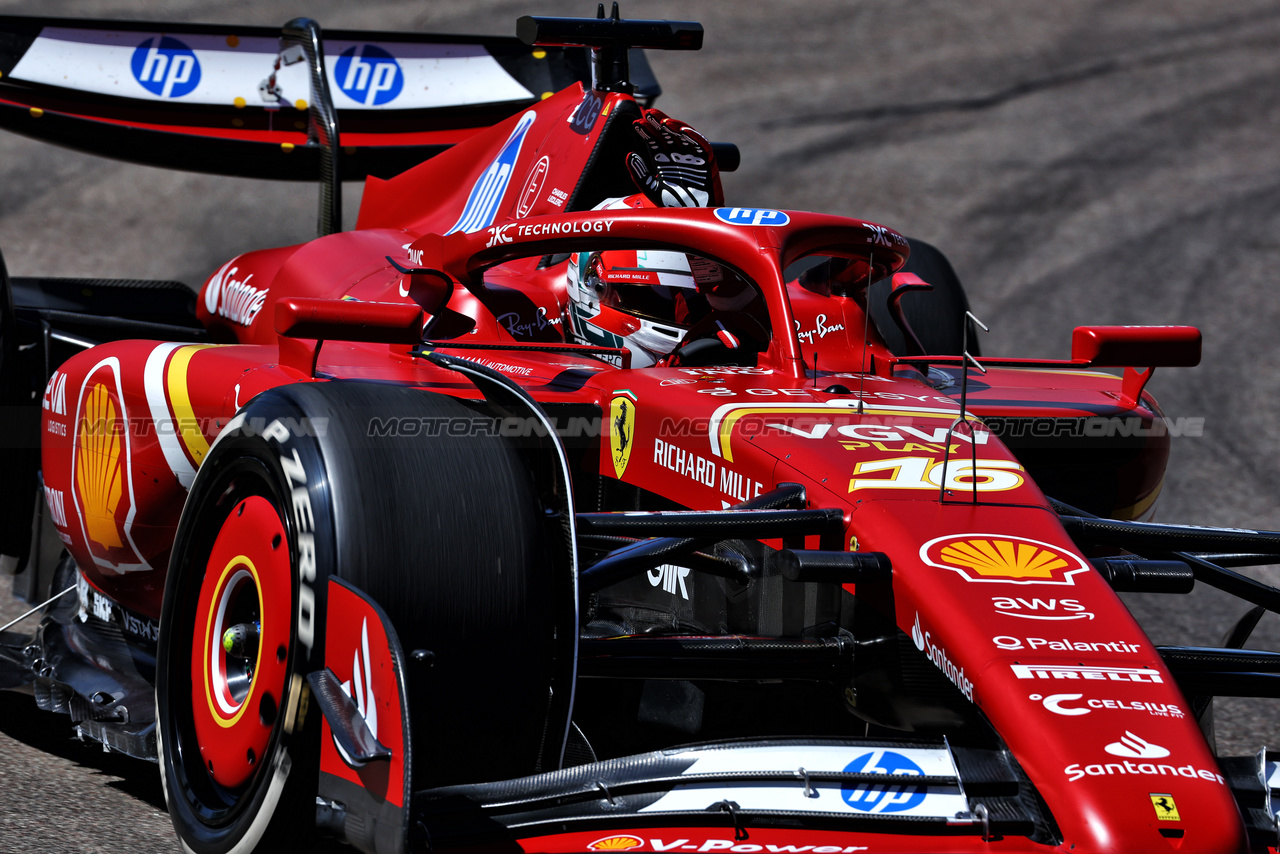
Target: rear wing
<point>240,101</point>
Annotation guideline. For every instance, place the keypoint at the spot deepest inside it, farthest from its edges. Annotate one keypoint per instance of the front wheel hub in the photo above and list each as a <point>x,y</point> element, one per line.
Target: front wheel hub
<point>239,651</point>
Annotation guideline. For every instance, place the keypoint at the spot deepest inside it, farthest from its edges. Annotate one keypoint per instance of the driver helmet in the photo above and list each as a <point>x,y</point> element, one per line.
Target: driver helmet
<point>645,299</point>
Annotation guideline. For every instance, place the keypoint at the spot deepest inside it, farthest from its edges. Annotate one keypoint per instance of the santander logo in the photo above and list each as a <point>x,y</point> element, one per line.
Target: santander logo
<point>924,642</point>
<point>1135,747</point>
<point>232,298</point>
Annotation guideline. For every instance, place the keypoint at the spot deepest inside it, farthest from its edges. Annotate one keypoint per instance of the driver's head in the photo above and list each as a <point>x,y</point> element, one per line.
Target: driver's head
<point>641,299</point>
<point>647,299</point>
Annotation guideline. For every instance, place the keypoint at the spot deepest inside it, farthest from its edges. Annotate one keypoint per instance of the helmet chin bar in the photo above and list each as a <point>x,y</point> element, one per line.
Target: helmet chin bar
<point>648,340</point>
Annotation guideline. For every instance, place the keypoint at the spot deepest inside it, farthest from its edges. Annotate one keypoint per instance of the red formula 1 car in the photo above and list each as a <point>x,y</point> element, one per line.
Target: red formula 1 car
<point>562,506</point>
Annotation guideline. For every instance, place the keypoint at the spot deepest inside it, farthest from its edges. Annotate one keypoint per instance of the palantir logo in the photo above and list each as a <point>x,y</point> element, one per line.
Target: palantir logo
<point>166,67</point>
<point>878,797</point>
<point>369,75</point>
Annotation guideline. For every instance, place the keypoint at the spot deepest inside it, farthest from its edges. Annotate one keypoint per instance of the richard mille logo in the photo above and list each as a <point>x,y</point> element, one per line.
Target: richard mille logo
<point>669,577</point>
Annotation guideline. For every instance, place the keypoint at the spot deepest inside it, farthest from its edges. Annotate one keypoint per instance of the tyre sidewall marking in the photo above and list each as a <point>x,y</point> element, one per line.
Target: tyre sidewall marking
<point>295,463</point>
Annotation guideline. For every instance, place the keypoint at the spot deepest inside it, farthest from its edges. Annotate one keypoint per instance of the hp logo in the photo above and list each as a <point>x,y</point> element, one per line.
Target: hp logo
<point>751,216</point>
<point>369,75</point>
<point>166,67</point>
<point>880,797</point>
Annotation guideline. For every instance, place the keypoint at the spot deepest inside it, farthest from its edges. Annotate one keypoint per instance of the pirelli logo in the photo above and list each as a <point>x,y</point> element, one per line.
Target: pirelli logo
<point>1099,674</point>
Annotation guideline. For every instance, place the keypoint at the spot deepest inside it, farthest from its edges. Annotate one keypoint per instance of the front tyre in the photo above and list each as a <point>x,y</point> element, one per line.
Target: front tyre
<point>414,499</point>
<point>237,748</point>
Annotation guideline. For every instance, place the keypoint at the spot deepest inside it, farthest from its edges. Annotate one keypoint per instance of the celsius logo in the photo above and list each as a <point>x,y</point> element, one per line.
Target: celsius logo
<point>1056,703</point>
<point>1133,747</point>
<point>368,75</point>
<point>166,67</point>
<point>879,797</point>
<point>751,216</point>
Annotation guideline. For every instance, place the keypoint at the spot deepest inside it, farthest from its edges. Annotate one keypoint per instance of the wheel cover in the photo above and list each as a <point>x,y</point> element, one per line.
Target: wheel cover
<point>236,696</point>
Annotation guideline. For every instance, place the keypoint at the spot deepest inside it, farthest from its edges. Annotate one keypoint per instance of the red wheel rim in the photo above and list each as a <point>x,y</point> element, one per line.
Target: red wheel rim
<point>235,697</point>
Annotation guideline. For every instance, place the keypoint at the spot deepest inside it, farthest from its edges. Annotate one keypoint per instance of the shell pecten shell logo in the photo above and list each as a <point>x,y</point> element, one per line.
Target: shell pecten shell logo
<point>1003,558</point>
<point>616,843</point>
<point>99,481</point>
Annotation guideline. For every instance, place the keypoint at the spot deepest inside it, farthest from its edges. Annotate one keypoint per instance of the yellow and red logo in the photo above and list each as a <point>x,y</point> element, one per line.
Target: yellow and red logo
<point>99,480</point>
<point>1003,558</point>
<point>101,485</point>
<point>616,843</point>
<point>622,426</point>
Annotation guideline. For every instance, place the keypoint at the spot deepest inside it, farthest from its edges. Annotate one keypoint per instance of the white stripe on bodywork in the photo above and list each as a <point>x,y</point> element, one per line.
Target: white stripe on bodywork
<point>166,425</point>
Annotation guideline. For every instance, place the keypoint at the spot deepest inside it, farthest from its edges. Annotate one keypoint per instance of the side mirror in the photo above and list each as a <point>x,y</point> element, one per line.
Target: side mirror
<point>1136,346</point>
<point>903,284</point>
<point>304,323</point>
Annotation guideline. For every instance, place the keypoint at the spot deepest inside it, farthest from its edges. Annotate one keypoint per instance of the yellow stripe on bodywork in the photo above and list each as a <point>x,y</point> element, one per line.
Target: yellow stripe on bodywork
<point>180,399</point>
<point>722,433</point>
<point>1140,509</point>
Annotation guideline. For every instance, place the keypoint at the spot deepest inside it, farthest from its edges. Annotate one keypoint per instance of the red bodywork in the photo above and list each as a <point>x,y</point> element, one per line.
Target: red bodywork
<point>994,593</point>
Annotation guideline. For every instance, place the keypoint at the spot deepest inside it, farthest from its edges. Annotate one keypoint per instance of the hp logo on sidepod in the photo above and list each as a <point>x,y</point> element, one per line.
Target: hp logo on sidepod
<point>165,67</point>
<point>368,75</point>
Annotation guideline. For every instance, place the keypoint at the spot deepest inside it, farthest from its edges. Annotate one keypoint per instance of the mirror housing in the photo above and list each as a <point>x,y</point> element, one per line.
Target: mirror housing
<point>1136,346</point>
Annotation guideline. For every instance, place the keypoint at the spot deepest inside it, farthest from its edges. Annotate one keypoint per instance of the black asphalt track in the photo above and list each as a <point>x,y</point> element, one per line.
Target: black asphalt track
<point>1080,162</point>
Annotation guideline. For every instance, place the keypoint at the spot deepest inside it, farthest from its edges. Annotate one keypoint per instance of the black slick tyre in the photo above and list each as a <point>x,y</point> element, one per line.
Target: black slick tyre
<point>396,491</point>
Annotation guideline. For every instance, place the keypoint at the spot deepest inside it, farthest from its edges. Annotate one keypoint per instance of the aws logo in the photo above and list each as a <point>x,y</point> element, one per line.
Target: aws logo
<point>166,67</point>
<point>369,75</point>
<point>1003,558</point>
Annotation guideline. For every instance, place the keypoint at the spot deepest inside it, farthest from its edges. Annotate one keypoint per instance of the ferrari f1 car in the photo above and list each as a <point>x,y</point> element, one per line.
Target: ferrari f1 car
<point>563,506</point>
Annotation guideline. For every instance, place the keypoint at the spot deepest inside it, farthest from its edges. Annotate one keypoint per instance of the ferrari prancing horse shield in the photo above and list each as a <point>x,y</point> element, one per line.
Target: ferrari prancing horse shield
<point>622,422</point>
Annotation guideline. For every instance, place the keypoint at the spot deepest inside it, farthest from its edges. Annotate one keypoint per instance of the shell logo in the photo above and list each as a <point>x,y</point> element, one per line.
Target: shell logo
<point>101,473</point>
<point>616,843</point>
<point>98,471</point>
<point>1003,558</point>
